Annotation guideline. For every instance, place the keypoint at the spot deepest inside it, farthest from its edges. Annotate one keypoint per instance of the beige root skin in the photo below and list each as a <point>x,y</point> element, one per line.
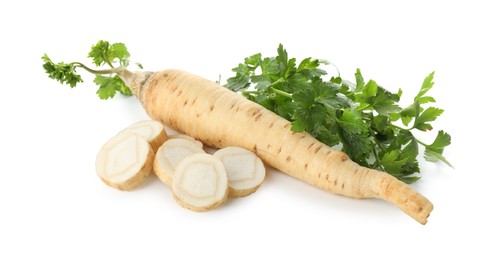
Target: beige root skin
<point>219,118</point>
<point>129,149</point>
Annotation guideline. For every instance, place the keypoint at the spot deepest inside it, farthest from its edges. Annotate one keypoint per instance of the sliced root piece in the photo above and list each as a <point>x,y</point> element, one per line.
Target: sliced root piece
<point>125,161</point>
<point>182,136</point>
<point>245,170</point>
<point>170,154</point>
<point>200,182</point>
<point>153,131</point>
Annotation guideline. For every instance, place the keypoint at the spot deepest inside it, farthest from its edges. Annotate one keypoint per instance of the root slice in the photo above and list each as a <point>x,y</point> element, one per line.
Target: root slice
<point>125,161</point>
<point>200,182</point>
<point>182,136</point>
<point>245,170</point>
<point>153,131</point>
<point>170,154</point>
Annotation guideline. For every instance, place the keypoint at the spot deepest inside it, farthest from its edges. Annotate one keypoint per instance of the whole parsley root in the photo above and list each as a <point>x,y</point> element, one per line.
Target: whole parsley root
<point>219,118</point>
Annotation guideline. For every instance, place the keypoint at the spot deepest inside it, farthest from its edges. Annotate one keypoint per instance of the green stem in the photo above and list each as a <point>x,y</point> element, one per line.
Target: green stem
<point>282,93</point>
<point>401,128</point>
<point>419,142</point>
<point>280,80</point>
<point>249,92</point>
<point>377,160</point>
<point>365,107</point>
<point>99,72</point>
<point>107,60</point>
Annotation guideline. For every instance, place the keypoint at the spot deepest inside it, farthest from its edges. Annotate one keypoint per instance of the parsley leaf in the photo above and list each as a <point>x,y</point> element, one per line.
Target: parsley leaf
<point>119,51</point>
<point>62,72</point>
<point>355,136</point>
<point>109,86</point>
<point>434,151</point>
<point>428,115</point>
<point>99,53</point>
<point>360,116</point>
<point>105,53</point>
<point>102,53</point>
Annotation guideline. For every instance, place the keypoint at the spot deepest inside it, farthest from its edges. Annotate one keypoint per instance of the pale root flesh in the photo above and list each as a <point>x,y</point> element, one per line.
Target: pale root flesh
<point>125,161</point>
<point>170,154</point>
<point>182,136</point>
<point>200,182</point>
<point>153,131</point>
<point>219,118</point>
<point>245,170</point>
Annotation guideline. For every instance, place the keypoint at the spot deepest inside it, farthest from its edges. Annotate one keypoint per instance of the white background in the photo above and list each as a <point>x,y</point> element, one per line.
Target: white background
<point>53,206</point>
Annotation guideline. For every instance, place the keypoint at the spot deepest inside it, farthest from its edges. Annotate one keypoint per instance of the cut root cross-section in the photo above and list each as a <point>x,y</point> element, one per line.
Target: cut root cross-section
<point>245,170</point>
<point>170,154</point>
<point>200,182</point>
<point>125,161</point>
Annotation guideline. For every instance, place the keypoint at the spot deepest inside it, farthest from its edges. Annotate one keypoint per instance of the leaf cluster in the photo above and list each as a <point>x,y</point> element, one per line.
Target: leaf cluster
<point>363,117</point>
<point>103,54</point>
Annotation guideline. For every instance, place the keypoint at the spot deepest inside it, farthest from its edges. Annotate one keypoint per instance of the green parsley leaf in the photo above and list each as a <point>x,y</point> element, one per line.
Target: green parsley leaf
<point>109,86</point>
<point>360,82</point>
<point>285,65</point>
<point>428,115</point>
<point>102,53</point>
<point>355,136</point>
<point>434,151</point>
<point>426,86</point>
<point>99,53</point>
<point>62,72</point>
<point>360,115</point>
<point>119,51</point>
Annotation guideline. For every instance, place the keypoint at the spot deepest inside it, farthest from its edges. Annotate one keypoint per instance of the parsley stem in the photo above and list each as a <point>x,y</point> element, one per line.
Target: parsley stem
<point>282,93</point>
<point>377,160</point>
<point>98,72</point>
<point>247,92</point>
<point>419,142</point>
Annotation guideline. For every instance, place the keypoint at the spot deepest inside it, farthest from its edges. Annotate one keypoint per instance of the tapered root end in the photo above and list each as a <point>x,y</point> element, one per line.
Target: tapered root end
<point>406,198</point>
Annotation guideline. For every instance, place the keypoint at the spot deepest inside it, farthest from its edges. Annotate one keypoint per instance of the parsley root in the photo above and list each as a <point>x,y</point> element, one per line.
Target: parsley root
<point>125,161</point>
<point>219,118</point>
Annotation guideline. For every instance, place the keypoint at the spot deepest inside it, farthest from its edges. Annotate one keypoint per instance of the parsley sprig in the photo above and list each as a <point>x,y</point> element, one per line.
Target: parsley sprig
<point>363,117</point>
<point>115,56</point>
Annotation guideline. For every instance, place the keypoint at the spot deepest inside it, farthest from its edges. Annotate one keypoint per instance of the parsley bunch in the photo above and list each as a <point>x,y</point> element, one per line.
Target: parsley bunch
<point>366,119</point>
<point>115,55</point>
